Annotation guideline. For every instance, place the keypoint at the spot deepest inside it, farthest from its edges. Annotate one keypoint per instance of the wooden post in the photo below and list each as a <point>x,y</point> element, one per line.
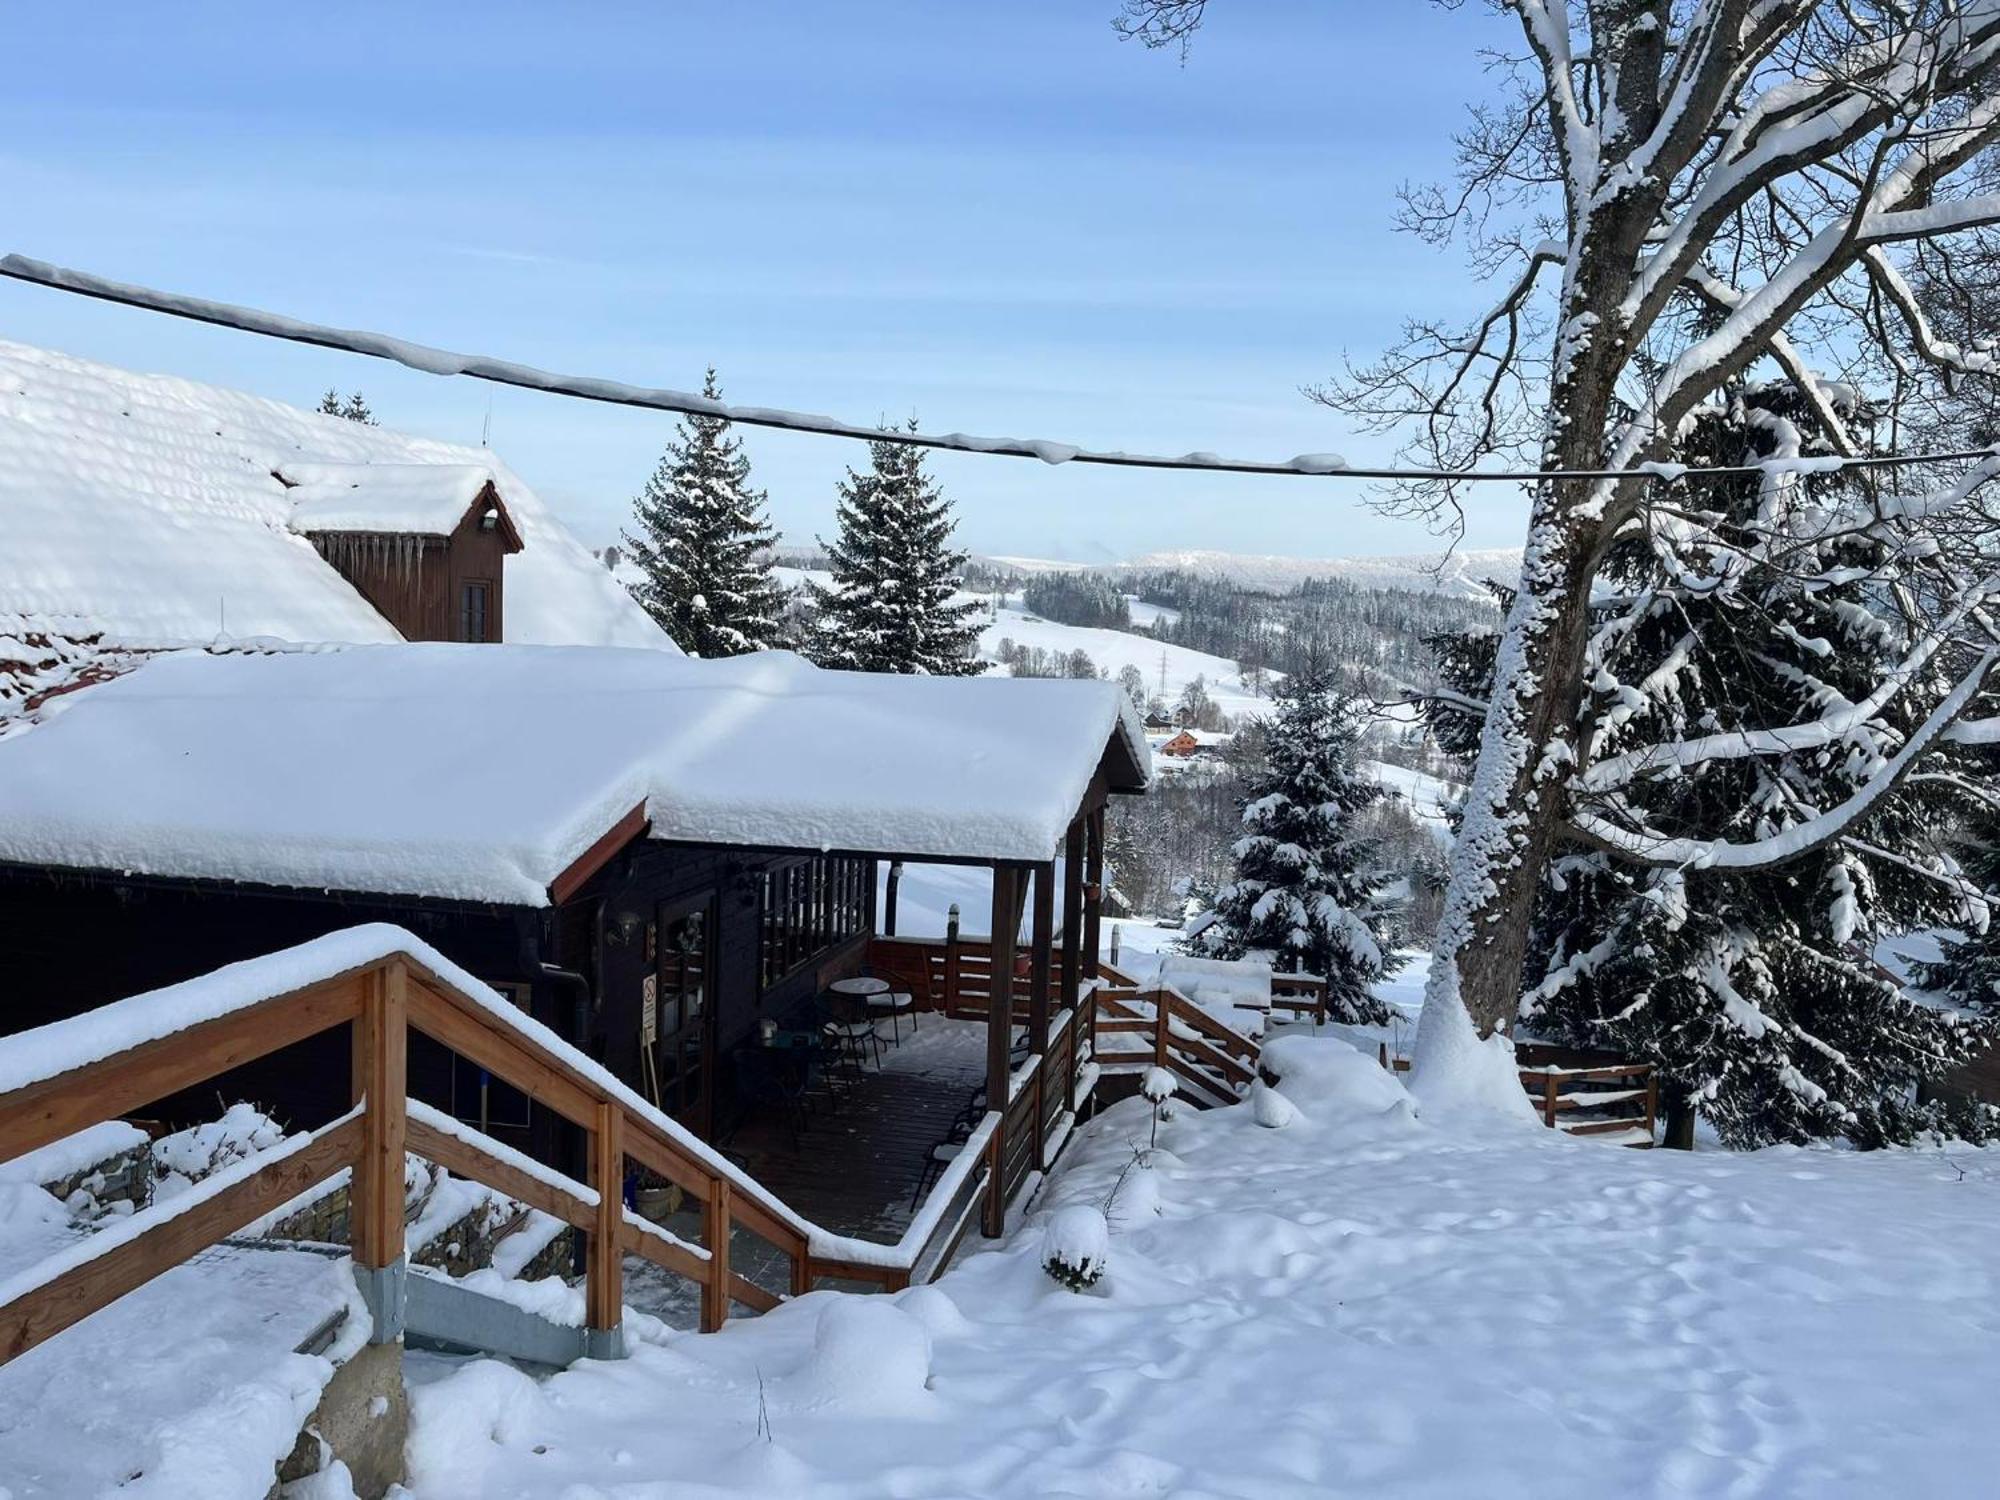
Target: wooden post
<point>1159,1028</point>
<point>802,1271</point>
<point>604,1291</point>
<point>381,1077</point>
<point>1093,889</point>
<point>1073,970</point>
<point>1000,1027</point>
<point>952,964</point>
<point>1043,935</point>
<point>1549,1098</point>
<point>1652,1101</point>
<point>715,1232</point>
<point>375,1197</point>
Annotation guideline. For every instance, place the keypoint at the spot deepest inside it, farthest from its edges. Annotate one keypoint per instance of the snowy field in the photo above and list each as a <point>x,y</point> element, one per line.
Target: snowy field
<point>1362,1302</point>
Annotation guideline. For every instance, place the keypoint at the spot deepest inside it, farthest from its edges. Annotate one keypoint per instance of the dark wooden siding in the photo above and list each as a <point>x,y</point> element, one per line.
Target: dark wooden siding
<point>69,944</point>
<point>417,583</point>
<point>406,578</point>
<point>479,556</point>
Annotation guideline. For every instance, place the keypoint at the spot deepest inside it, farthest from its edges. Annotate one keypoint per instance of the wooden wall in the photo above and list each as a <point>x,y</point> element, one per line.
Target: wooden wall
<point>69,943</point>
<point>414,582</point>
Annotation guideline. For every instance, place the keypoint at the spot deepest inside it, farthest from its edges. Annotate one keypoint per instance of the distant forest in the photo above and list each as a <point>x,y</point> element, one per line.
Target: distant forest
<point>1374,638</point>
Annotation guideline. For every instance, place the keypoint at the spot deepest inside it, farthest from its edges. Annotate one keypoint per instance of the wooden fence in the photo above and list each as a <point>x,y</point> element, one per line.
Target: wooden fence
<point>1579,1092</point>
<point>386,985</point>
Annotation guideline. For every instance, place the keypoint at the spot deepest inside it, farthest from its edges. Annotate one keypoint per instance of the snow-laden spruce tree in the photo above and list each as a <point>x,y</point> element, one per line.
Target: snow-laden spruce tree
<point>1308,889</point>
<point>895,573</point>
<point>1781,163</point>
<point>1967,971</point>
<point>700,539</point>
<point>1753,987</point>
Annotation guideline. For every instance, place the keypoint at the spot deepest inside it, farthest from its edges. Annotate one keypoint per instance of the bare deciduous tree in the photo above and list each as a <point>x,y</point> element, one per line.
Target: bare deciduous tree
<point>1668,192</point>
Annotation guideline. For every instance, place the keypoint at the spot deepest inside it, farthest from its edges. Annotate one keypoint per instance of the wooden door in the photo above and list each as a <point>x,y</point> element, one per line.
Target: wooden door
<point>682,1010</point>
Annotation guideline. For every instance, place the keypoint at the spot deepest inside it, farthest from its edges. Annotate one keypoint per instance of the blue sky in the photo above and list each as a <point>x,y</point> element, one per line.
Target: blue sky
<point>999,218</point>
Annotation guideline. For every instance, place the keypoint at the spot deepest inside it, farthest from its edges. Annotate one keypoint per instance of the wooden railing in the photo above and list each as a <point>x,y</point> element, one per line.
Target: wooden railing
<point>384,984</point>
<point>953,977</point>
<point>1181,1037</point>
<point>1578,1092</point>
<point>1590,1093</point>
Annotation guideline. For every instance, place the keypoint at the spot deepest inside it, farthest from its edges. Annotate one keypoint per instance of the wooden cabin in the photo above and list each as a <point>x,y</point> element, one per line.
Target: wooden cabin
<point>425,544</point>
<point>651,854</point>
<point>144,511</point>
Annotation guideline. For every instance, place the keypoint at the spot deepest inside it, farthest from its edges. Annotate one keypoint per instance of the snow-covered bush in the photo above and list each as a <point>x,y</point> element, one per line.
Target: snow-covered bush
<point>1158,1085</point>
<point>189,1156</point>
<point>1076,1247</point>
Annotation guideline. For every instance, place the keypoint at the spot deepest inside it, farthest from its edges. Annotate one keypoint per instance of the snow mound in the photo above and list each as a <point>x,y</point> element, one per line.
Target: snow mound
<point>869,1357</point>
<point>932,1306</point>
<point>466,1418</point>
<point>1270,1108</point>
<point>1332,1077</point>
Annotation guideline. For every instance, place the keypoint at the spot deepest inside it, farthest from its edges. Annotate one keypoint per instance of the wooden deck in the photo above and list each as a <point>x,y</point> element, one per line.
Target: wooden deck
<point>856,1166</point>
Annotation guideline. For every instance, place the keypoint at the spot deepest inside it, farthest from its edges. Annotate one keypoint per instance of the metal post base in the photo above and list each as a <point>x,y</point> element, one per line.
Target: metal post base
<point>385,1290</point>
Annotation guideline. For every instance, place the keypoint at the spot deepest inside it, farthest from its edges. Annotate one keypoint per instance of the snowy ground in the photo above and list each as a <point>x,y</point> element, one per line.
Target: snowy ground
<point>1362,1302</point>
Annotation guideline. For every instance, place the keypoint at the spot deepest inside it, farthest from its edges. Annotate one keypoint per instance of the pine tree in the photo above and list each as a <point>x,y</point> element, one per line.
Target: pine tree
<point>701,540</point>
<point>894,575</point>
<point>1754,991</point>
<point>1967,972</point>
<point>1308,887</point>
<point>354,408</point>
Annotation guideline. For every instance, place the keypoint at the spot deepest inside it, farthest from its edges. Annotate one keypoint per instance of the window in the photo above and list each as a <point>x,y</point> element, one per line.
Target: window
<point>809,906</point>
<point>472,611</point>
<point>477,1097</point>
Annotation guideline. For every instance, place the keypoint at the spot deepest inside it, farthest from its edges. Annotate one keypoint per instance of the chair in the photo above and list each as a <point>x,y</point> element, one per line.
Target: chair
<point>942,1155</point>
<point>854,1031</point>
<point>767,1077</point>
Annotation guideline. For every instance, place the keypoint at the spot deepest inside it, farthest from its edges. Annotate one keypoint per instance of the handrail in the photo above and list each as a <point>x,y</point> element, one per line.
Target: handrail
<point>66,1076</point>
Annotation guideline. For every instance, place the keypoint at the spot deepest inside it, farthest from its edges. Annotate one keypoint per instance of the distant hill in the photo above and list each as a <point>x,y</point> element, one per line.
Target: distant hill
<point>1462,573</point>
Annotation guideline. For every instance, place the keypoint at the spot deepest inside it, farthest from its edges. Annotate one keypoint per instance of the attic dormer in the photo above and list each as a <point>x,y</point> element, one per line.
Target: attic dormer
<point>425,544</point>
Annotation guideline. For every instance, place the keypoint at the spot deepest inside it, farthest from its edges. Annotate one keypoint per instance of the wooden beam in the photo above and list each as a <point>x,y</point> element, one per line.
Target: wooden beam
<point>464,1028</point>
<point>77,1293</point>
<point>1000,1019</point>
<point>663,1252</point>
<point>33,1116</point>
<point>604,1290</point>
<point>1093,890</point>
<point>381,1060</point>
<point>1042,935</point>
<point>474,1163</point>
<point>579,870</point>
<point>1072,912</point>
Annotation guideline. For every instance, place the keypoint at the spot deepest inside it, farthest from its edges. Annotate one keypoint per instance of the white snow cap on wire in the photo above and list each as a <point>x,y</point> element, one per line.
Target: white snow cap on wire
<point>1158,1085</point>
<point>432,361</point>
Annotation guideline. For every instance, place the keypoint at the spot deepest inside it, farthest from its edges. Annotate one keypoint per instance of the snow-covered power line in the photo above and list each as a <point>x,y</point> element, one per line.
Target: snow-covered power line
<point>432,361</point>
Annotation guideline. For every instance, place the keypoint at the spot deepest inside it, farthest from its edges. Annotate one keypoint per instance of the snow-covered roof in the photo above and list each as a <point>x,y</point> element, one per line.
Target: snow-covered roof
<point>146,508</point>
<point>407,499</point>
<point>483,772</point>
